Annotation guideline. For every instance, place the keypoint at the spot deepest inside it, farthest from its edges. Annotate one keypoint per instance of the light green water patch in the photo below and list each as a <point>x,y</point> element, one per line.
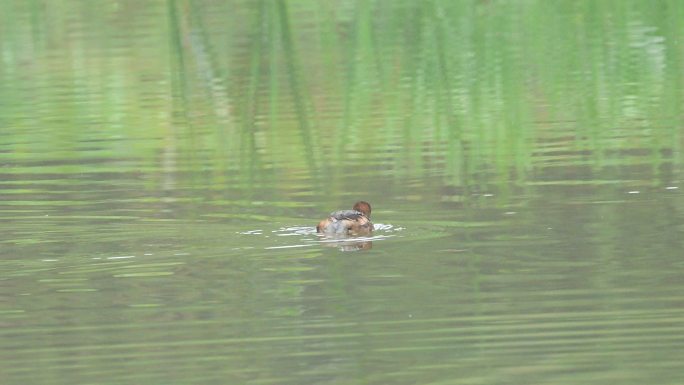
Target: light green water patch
<point>163,165</point>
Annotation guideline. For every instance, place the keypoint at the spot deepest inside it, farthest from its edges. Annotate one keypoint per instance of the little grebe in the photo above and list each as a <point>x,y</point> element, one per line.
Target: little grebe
<point>348,222</point>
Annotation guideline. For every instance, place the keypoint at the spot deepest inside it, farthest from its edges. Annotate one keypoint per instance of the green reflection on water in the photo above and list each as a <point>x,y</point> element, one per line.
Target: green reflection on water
<point>483,89</point>
<point>163,163</point>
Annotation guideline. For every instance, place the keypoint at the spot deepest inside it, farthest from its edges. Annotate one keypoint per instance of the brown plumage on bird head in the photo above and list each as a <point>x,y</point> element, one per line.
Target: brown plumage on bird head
<point>363,207</point>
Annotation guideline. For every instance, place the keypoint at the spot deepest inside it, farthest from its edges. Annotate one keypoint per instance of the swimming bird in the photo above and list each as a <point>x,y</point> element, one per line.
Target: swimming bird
<point>348,222</point>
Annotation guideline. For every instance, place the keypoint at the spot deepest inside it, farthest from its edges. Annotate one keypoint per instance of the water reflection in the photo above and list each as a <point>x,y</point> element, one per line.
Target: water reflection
<point>161,162</point>
<point>347,244</point>
<point>306,236</point>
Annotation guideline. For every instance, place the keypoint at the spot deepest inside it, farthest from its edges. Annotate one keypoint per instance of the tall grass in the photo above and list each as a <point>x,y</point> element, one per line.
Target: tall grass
<point>470,91</point>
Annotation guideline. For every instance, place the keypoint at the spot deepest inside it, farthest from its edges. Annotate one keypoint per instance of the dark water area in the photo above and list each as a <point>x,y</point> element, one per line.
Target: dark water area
<point>163,166</point>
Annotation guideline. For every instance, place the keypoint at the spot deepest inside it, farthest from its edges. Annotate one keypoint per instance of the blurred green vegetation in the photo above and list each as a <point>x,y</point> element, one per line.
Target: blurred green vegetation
<point>473,91</point>
<point>157,155</point>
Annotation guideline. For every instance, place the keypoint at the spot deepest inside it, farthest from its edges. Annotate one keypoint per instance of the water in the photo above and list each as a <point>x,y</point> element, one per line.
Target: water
<point>162,168</point>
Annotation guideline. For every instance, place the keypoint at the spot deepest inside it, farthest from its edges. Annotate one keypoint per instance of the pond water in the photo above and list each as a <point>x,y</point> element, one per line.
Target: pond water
<point>163,165</point>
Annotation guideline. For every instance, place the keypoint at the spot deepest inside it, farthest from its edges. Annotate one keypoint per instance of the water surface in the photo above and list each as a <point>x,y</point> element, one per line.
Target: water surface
<point>163,165</point>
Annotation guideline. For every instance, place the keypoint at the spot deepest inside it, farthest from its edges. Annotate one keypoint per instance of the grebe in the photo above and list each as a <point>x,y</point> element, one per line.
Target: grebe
<point>348,222</point>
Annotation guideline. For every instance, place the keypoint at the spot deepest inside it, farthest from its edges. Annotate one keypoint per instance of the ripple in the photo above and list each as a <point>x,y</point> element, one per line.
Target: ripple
<point>307,236</point>
<point>294,230</point>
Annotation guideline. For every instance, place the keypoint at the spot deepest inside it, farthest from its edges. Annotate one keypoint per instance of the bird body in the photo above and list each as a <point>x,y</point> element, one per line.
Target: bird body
<point>348,222</point>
